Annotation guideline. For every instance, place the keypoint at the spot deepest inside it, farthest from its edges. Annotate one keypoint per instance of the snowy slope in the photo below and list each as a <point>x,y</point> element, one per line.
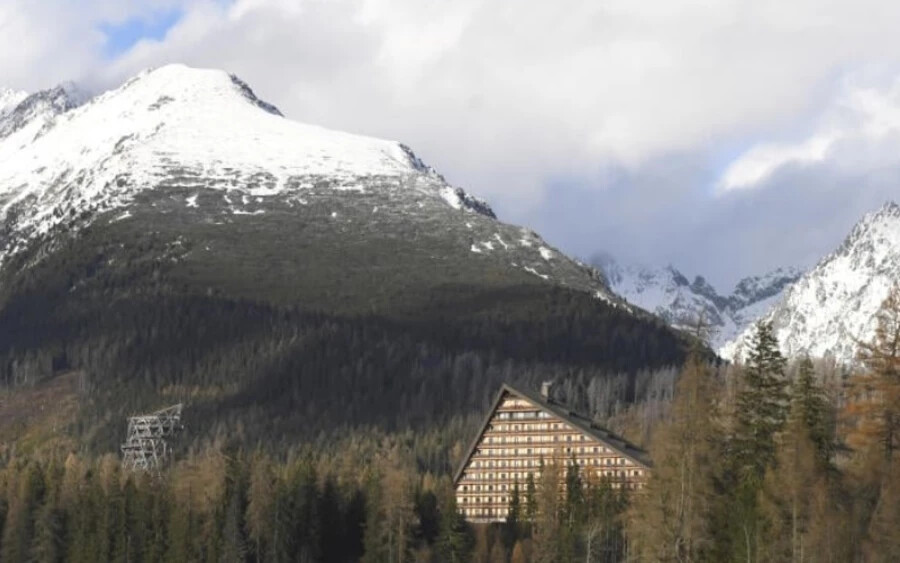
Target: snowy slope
<point>9,99</point>
<point>180,132</point>
<point>833,305</point>
<point>669,294</point>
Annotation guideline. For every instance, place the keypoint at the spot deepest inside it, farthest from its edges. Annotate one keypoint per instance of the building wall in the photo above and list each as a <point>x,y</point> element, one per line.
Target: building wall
<point>518,437</point>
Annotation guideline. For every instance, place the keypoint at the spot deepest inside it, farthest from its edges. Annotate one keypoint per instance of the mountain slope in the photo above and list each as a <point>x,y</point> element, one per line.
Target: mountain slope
<point>205,138</point>
<point>666,292</point>
<point>178,239</point>
<point>833,306</point>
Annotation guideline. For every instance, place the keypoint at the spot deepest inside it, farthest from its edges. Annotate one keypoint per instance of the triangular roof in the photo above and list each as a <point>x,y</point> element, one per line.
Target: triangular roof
<point>586,425</point>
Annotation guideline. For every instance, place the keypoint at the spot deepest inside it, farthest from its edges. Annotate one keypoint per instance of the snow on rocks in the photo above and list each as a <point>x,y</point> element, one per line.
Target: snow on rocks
<point>831,308</point>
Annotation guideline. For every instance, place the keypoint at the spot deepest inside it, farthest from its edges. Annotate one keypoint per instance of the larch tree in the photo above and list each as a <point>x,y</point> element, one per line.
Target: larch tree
<point>873,405</point>
<point>872,413</point>
<point>547,526</point>
<point>670,519</point>
<point>788,491</point>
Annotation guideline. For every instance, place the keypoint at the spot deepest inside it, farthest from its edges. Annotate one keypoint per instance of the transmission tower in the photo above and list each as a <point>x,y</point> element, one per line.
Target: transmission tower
<point>145,448</point>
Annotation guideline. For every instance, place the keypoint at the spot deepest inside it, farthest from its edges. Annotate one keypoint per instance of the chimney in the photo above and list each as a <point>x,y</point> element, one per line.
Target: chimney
<point>545,390</point>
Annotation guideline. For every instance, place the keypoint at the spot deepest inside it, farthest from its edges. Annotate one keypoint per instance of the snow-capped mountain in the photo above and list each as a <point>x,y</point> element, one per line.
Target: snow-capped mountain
<point>202,140</point>
<point>10,99</point>
<point>833,306</point>
<point>669,294</point>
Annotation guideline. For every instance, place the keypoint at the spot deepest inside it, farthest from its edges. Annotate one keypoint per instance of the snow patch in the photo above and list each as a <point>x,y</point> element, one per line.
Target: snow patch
<point>451,196</point>
<point>535,272</point>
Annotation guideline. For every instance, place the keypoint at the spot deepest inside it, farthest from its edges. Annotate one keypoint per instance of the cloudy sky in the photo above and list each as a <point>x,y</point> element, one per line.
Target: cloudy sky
<point>726,137</point>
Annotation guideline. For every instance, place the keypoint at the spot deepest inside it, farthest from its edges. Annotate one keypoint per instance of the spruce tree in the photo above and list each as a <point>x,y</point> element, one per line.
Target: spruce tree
<point>531,507</point>
<point>762,404</point>
<point>512,529</point>
<point>810,404</point>
<point>455,540</point>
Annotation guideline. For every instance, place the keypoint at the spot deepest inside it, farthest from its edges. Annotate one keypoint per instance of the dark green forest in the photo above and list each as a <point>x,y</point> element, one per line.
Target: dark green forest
<point>131,317</point>
<point>324,426</point>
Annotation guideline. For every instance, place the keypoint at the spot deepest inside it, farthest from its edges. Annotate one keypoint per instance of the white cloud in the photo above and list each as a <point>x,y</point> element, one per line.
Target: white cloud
<point>760,162</point>
<point>502,95</point>
<point>631,99</point>
<point>857,132</point>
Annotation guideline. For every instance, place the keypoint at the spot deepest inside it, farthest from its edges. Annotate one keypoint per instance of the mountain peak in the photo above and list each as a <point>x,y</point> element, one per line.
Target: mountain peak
<point>669,294</point>
<point>832,307</point>
<point>10,98</point>
<point>187,84</point>
<point>891,208</point>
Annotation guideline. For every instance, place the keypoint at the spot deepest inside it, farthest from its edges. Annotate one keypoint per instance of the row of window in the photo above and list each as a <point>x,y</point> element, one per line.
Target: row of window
<point>485,512</point>
<point>503,511</point>
<point>523,476</point>
<point>523,415</point>
<point>529,427</point>
<point>483,450</point>
<point>478,463</point>
<point>488,439</point>
<point>516,403</point>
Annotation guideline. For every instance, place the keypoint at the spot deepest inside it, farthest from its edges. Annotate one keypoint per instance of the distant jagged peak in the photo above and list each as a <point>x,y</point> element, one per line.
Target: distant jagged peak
<point>671,295</point>
<point>753,289</point>
<point>828,310</point>
<point>888,215</point>
<point>40,108</point>
<point>10,98</point>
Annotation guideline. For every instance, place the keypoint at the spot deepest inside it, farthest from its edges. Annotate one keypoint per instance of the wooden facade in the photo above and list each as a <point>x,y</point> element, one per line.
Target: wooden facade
<point>524,430</point>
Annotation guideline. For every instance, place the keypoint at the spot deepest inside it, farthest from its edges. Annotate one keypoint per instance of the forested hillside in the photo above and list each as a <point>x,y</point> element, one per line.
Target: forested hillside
<point>139,320</point>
